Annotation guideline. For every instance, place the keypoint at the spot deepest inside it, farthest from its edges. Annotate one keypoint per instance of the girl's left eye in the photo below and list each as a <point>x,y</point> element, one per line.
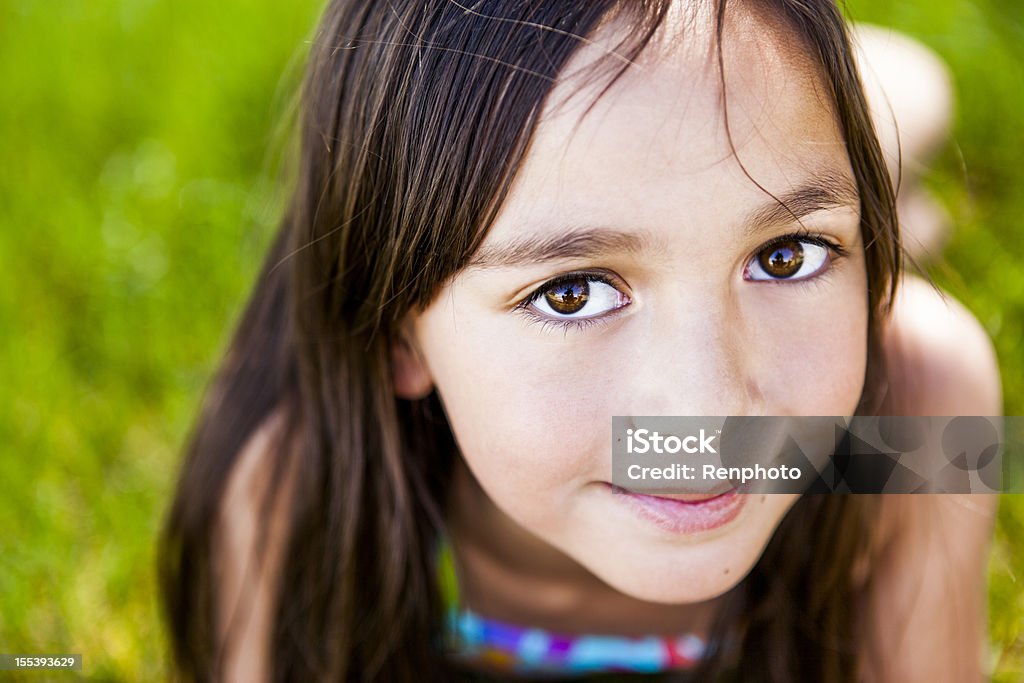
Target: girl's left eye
<point>577,296</point>
<point>790,258</point>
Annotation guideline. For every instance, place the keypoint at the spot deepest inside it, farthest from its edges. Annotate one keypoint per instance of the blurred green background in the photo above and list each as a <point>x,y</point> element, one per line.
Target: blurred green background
<point>137,193</point>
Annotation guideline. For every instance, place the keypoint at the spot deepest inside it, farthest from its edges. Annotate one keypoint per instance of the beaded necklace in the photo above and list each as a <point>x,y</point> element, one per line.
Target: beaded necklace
<point>512,647</point>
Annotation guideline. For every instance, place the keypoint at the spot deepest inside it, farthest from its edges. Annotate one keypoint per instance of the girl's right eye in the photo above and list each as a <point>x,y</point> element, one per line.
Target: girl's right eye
<point>577,296</point>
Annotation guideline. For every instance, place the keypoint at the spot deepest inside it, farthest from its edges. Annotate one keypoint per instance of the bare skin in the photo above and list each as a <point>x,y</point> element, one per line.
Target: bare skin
<point>927,615</point>
<point>931,630</point>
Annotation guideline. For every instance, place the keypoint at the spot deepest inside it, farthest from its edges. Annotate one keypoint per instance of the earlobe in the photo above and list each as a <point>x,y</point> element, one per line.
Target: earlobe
<point>410,374</point>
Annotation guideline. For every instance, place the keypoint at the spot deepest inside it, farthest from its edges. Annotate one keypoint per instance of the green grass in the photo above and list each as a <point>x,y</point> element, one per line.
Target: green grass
<point>136,200</point>
<point>135,208</point>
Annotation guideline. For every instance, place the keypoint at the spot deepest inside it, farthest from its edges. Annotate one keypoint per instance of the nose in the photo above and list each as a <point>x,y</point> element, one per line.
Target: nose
<point>696,359</point>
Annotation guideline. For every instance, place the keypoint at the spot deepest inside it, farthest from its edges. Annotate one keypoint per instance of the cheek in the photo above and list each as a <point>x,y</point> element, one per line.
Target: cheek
<point>531,425</point>
<point>814,351</point>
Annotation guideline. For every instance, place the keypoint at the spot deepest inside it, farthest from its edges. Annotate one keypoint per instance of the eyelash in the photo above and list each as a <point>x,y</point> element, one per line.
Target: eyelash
<point>566,324</point>
<point>836,252</point>
<point>805,235</point>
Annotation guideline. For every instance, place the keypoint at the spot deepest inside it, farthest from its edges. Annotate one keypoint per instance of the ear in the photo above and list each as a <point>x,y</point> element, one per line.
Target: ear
<point>409,370</point>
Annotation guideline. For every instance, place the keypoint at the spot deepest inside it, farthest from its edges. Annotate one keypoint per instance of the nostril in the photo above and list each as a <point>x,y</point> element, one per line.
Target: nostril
<point>754,393</point>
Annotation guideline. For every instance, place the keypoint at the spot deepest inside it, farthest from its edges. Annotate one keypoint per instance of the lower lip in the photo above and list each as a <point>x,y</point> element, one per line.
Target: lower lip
<point>684,517</point>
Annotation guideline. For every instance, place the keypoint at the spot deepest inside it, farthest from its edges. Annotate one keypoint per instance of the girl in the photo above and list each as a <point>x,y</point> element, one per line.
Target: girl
<point>511,222</point>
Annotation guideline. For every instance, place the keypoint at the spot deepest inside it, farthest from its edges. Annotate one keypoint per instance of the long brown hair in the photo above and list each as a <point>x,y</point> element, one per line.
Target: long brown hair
<point>415,116</point>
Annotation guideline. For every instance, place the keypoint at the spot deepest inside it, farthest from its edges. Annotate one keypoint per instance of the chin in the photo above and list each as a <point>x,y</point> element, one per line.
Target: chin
<point>655,560</point>
<point>677,577</point>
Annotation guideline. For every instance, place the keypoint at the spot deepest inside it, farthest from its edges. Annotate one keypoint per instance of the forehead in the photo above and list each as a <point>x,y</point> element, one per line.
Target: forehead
<point>655,149</point>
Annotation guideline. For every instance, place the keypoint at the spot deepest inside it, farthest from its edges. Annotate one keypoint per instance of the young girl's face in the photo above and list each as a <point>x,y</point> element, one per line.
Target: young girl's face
<point>637,270</point>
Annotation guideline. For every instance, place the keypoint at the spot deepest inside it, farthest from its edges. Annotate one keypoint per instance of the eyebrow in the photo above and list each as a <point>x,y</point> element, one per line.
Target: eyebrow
<point>573,243</point>
<point>821,193</point>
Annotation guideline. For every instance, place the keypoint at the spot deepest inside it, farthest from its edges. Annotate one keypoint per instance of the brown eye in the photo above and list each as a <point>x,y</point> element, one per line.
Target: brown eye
<point>574,299</point>
<point>568,297</point>
<point>782,259</point>
<point>791,259</point>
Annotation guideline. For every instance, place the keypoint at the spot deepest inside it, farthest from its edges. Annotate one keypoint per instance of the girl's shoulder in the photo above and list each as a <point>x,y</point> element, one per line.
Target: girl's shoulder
<point>940,359</point>
<point>927,598</point>
<point>249,546</point>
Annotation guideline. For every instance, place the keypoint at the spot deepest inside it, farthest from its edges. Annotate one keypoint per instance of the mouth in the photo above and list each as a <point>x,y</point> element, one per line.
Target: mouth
<point>683,513</point>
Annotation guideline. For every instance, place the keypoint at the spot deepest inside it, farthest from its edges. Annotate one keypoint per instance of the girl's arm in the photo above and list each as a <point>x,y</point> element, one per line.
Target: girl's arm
<point>927,606</point>
<point>926,612</point>
<point>245,584</point>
